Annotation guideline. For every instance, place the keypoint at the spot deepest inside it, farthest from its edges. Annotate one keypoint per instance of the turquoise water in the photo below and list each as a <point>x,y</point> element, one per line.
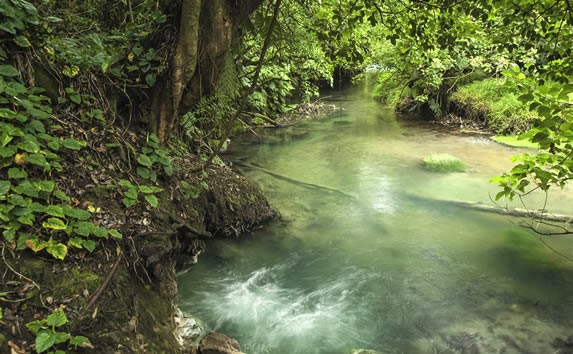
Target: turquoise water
<point>384,267</point>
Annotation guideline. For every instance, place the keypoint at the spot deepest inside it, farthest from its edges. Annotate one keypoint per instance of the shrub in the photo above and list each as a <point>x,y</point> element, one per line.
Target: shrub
<point>491,102</point>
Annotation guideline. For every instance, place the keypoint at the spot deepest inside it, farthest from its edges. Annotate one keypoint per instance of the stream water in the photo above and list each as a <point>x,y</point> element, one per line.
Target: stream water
<point>383,271</point>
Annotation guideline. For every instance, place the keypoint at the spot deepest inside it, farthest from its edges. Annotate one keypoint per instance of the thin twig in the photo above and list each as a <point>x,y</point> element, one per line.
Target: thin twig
<point>15,272</point>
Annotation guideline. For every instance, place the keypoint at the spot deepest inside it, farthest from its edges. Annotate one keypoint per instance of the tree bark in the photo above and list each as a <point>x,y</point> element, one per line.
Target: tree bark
<point>206,31</point>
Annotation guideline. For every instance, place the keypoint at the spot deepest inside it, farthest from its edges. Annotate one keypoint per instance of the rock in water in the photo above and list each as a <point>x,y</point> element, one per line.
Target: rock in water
<point>217,343</point>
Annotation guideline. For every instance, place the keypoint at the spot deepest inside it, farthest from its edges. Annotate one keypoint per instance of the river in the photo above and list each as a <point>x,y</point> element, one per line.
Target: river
<point>382,270</point>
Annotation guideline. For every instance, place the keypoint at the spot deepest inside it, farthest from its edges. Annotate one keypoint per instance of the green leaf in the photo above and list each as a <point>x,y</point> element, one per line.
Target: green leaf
<point>54,224</point>
<point>76,242</point>
<point>76,213</point>
<point>76,98</point>
<point>128,202</point>
<point>8,71</point>
<point>131,193</point>
<point>152,200</point>
<point>45,186</point>
<point>89,245</point>
<point>29,145</point>
<point>55,210</point>
<point>62,196</point>
<point>114,233</point>
<point>57,319</point>
<point>15,173</point>
<point>26,188</point>
<point>83,228</point>
<point>22,41</point>
<point>143,172</point>
<point>150,79</point>
<point>5,187</point>
<point>79,341</point>
<point>57,250</point>
<point>144,160</point>
<point>39,160</point>
<point>99,231</point>
<point>27,219</point>
<point>35,326</point>
<point>44,341</point>
<point>73,144</point>
<point>125,183</point>
<point>149,189</point>
<point>62,337</point>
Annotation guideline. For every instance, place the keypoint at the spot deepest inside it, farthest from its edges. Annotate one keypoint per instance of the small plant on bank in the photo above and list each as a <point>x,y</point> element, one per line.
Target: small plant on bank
<point>152,157</point>
<point>48,335</point>
<point>132,193</point>
<point>443,163</point>
<point>34,213</point>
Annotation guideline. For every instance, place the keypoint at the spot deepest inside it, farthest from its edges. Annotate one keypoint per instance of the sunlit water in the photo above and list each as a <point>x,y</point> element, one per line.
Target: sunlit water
<point>385,270</point>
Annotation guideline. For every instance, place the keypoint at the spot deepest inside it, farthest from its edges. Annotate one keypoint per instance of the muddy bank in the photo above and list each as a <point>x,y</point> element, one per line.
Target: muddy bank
<point>122,295</point>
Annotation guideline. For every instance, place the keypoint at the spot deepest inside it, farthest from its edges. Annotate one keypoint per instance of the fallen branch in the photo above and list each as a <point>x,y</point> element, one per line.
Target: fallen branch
<point>295,181</point>
<point>99,291</point>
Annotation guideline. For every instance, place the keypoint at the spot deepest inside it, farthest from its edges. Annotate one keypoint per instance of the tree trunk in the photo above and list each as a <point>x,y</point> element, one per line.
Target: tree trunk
<point>206,31</point>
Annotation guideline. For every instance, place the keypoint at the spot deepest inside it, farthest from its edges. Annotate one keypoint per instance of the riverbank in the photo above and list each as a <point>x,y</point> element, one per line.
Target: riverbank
<point>120,295</point>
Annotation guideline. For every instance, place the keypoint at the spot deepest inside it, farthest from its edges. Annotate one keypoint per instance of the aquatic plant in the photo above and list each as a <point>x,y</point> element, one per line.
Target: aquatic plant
<point>443,163</point>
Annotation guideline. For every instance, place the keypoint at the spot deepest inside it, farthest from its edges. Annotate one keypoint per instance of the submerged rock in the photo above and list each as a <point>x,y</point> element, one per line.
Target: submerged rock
<point>218,343</point>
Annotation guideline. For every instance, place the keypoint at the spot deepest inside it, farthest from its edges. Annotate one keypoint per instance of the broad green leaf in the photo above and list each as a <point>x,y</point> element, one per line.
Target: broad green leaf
<point>89,245</point>
<point>152,200</point>
<point>55,210</point>
<point>18,200</point>
<point>149,189</point>
<point>35,326</point>
<point>23,239</point>
<point>57,250</point>
<point>144,160</point>
<point>15,173</point>
<point>79,341</point>
<point>29,144</point>
<point>5,187</point>
<point>83,228</point>
<point>114,233</point>
<point>54,224</point>
<point>125,183</point>
<point>99,231</point>
<point>8,71</point>
<point>61,196</point>
<point>26,188</point>
<point>38,159</point>
<point>131,193</point>
<point>128,202</point>
<point>73,144</point>
<point>46,186</point>
<point>143,172</point>
<point>22,41</point>
<point>76,242</point>
<point>62,337</point>
<point>76,213</point>
<point>57,319</point>
<point>27,219</point>
<point>45,339</point>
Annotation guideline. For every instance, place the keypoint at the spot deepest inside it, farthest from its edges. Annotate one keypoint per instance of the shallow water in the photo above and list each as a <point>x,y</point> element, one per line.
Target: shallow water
<point>388,269</point>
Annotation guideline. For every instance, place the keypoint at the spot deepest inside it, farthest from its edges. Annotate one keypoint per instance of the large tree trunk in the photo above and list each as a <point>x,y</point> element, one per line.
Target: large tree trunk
<point>206,31</point>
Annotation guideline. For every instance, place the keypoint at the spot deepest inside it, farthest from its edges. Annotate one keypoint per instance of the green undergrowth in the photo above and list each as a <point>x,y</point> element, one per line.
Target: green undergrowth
<point>492,102</point>
<point>443,163</point>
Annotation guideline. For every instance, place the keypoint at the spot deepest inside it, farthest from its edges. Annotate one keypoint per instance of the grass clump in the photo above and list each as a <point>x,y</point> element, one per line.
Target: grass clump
<point>443,163</point>
<point>497,105</point>
<point>515,141</point>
